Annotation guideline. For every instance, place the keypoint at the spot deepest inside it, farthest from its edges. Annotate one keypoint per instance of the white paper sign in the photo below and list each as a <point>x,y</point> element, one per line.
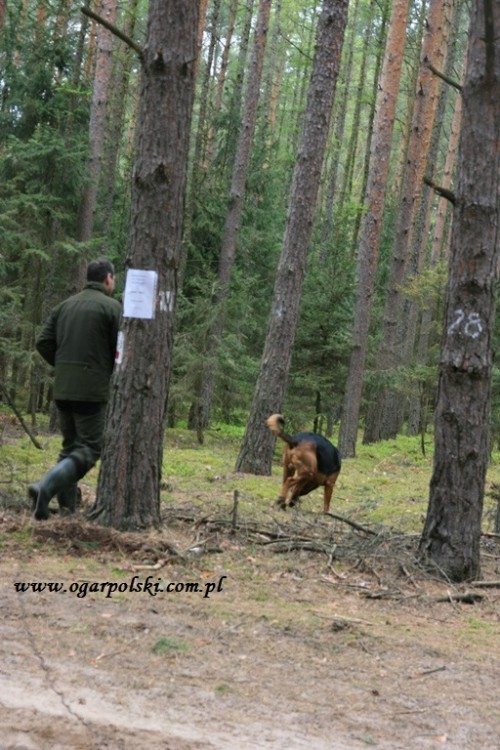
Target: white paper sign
<point>139,299</point>
<point>120,345</point>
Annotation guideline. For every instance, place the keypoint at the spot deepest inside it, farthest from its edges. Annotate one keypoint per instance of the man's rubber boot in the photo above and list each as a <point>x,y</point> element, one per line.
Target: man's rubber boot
<point>65,473</point>
<point>33,491</point>
<point>67,499</point>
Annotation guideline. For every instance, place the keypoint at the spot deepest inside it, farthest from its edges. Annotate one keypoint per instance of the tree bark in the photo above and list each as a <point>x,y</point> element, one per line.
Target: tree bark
<point>452,531</point>
<point>97,129</point>
<point>372,222</point>
<point>385,417</point>
<point>421,240</point>
<point>258,444</point>
<point>120,85</point>
<point>128,493</point>
<point>3,7</point>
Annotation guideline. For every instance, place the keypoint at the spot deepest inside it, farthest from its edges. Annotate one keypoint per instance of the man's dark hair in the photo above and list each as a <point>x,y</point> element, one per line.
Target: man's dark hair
<point>97,270</point>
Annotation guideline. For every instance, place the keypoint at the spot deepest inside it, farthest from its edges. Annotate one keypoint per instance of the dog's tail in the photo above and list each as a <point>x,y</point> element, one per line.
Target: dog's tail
<point>275,423</point>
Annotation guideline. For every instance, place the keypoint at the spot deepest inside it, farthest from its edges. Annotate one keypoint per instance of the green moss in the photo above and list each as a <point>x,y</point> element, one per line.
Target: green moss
<point>164,645</point>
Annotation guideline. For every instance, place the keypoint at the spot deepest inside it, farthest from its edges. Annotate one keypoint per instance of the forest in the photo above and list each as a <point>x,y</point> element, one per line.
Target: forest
<point>69,104</point>
<point>314,186</point>
<point>314,244</point>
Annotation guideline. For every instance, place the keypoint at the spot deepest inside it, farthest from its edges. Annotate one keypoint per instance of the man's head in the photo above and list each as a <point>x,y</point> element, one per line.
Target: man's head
<point>102,271</point>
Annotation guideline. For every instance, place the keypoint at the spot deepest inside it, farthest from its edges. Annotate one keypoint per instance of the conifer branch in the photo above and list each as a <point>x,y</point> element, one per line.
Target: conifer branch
<point>445,78</point>
<point>442,191</point>
<point>114,30</point>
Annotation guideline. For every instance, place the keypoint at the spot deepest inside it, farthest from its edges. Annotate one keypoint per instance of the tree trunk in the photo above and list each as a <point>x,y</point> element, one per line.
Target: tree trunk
<point>120,84</point>
<point>415,423</point>
<point>271,79</point>
<point>295,115</point>
<point>258,444</point>
<point>380,45</point>
<point>97,129</point>
<point>338,127</point>
<point>356,129</point>
<point>385,418</point>
<point>372,222</point>
<point>234,108</point>
<point>128,493</point>
<point>452,531</point>
<point>100,90</point>
<point>221,81</point>
<point>199,165</point>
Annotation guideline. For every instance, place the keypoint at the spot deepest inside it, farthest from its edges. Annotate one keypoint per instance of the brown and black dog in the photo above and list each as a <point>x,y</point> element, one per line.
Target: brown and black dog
<point>309,461</point>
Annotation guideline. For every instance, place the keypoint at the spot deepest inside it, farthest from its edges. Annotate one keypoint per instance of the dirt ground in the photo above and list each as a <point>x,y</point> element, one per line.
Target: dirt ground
<point>283,645</point>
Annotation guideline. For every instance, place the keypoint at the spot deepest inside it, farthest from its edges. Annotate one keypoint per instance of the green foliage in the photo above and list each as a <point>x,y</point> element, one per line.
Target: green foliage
<point>44,118</point>
<point>43,130</point>
<point>323,343</point>
<point>40,182</point>
<point>427,288</point>
<point>167,644</point>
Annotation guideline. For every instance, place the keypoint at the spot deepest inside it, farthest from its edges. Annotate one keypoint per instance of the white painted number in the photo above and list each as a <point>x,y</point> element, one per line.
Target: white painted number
<point>471,325</point>
<point>166,301</point>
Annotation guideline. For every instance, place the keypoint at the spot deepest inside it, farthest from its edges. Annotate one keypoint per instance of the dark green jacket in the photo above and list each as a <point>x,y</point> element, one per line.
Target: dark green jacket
<point>79,340</point>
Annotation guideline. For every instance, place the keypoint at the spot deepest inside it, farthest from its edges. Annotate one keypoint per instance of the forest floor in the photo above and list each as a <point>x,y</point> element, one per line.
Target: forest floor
<point>283,631</point>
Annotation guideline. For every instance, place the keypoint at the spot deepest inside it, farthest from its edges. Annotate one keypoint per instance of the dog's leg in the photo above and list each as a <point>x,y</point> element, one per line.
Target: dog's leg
<point>288,472</point>
<point>330,484</point>
<point>302,486</point>
<point>306,469</point>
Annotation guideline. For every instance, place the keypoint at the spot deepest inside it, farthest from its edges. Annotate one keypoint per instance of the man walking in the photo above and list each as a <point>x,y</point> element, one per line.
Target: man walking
<point>79,341</point>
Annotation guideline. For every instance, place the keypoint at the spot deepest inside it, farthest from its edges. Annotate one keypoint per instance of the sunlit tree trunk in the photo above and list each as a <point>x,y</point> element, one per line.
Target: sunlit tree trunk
<point>372,221</point>
<point>418,322</point>
<point>385,415</point>
<point>452,531</point>
<point>380,45</point>
<point>257,449</point>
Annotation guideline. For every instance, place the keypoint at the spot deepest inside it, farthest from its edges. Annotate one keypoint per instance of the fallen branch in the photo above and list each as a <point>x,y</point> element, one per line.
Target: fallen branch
<point>383,595</point>
<point>20,417</point>
<point>485,584</point>
<point>468,598</point>
<point>354,525</point>
<point>234,519</point>
<point>352,620</point>
<point>427,672</point>
<point>296,544</point>
<point>156,566</point>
